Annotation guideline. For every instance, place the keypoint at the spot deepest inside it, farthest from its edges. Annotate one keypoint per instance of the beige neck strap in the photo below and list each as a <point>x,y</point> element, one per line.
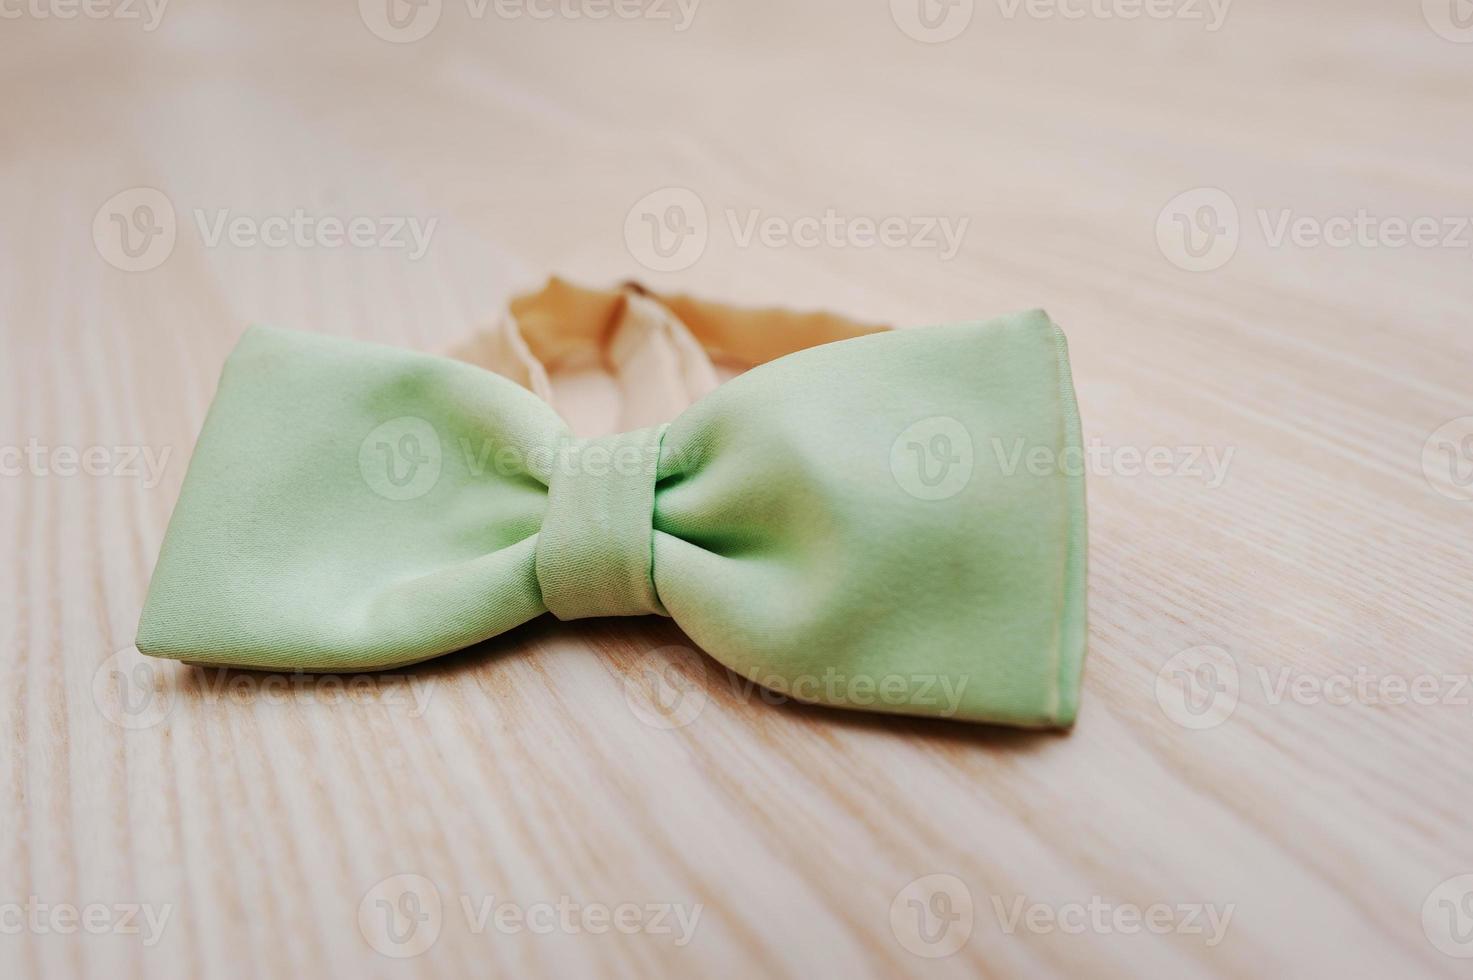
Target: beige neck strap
<point>612,360</point>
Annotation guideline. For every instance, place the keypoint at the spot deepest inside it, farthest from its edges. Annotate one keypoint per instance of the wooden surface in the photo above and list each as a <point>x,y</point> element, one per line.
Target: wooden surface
<point>260,819</point>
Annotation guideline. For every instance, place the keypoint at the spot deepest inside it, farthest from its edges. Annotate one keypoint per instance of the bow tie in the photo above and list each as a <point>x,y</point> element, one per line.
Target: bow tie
<point>890,522</point>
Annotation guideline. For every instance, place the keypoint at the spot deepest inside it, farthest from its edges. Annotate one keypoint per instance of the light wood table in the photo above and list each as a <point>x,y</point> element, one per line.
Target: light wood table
<point>1271,772</point>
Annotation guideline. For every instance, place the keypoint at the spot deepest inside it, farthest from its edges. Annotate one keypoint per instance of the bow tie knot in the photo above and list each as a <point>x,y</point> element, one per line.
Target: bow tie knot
<point>594,552</point>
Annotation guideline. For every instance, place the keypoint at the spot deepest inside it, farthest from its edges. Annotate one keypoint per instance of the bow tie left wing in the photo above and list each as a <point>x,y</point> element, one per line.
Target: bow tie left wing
<point>351,507</point>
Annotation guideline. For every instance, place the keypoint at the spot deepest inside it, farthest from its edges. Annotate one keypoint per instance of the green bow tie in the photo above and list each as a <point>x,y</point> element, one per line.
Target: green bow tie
<point>894,522</point>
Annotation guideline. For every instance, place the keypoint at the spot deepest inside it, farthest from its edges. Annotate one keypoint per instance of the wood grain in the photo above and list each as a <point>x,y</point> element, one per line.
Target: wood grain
<point>260,816</point>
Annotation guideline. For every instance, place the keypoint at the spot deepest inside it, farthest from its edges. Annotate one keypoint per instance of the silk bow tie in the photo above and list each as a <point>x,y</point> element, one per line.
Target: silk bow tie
<point>890,522</point>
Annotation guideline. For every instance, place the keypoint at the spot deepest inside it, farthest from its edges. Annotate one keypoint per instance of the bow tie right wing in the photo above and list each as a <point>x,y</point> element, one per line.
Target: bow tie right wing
<point>892,523</point>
